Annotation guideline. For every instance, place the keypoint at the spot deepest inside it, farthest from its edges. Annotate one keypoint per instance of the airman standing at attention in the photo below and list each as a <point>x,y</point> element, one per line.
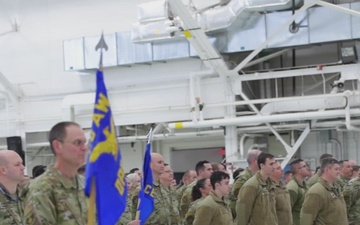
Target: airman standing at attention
<point>166,179</point>
<point>351,194</point>
<point>188,177</point>
<point>256,199</point>
<point>346,172</point>
<point>57,196</point>
<point>297,187</point>
<point>243,177</point>
<point>213,210</point>
<point>314,178</point>
<point>324,202</point>
<point>203,170</point>
<point>11,174</point>
<point>282,197</point>
<point>161,213</point>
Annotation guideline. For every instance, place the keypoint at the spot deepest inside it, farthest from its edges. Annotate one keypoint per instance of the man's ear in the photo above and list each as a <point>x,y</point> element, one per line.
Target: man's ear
<point>3,169</point>
<point>56,146</point>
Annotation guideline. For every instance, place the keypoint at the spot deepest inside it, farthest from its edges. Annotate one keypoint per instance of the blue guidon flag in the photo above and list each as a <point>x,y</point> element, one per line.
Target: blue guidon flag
<point>104,176</point>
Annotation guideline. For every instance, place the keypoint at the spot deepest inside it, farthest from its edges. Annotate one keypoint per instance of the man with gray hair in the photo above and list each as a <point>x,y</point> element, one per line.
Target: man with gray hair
<point>11,174</point>
<point>243,177</point>
<point>324,202</point>
<point>314,178</point>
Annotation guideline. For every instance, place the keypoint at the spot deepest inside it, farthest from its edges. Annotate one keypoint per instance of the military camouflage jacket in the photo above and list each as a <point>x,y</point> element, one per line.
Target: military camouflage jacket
<point>351,194</point>
<point>190,215</point>
<point>53,199</point>
<point>323,204</point>
<point>256,202</point>
<point>239,182</point>
<point>342,181</point>
<point>186,199</point>
<point>297,195</point>
<point>213,211</point>
<point>161,213</point>
<point>313,179</point>
<point>10,208</point>
<point>283,207</point>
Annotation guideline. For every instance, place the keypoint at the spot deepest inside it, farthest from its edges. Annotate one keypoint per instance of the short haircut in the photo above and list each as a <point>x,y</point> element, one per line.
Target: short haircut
<point>215,166</point>
<point>166,164</point>
<point>262,158</point>
<point>196,193</point>
<point>237,172</point>
<point>294,165</point>
<point>288,172</point>
<point>327,162</point>
<point>217,177</point>
<point>356,168</point>
<point>341,162</point>
<point>58,132</point>
<point>325,155</point>
<point>133,170</point>
<point>200,166</point>
<point>252,155</point>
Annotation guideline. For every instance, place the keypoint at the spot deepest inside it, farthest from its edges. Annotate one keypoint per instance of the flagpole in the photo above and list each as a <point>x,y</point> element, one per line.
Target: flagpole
<point>92,209</point>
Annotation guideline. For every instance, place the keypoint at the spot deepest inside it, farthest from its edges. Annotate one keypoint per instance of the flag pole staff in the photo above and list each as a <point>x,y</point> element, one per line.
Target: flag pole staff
<point>92,210</point>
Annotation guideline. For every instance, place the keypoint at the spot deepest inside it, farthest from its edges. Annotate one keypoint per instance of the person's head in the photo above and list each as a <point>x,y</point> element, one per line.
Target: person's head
<point>356,170</point>
<point>287,176</point>
<point>157,164</point>
<point>11,168</point>
<point>133,180</point>
<point>237,172</point>
<point>300,169</point>
<point>324,156</point>
<point>173,184</point>
<point>346,169</point>
<point>278,173</point>
<point>68,143</point>
<point>189,176</point>
<point>202,188</point>
<point>167,176</point>
<point>203,169</point>
<point>330,169</point>
<point>220,183</point>
<point>136,170</point>
<point>218,167</point>
<point>251,159</point>
<point>38,170</point>
<point>266,163</point>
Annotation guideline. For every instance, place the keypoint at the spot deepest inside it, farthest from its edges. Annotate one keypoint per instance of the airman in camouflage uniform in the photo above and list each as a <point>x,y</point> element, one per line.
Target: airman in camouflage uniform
<point>314,178</point>
<point>351,194</point>
<point>203,170</point>
<point>345,174</point>
<point>57,197</point>
<point>297,187</point>
<point>242,178</point>
<point>324,203</point>
<point>282,197</point>
<point>256,199</point>
<point>188,178</point>
<point>190,215</point>
<point>11,210</point>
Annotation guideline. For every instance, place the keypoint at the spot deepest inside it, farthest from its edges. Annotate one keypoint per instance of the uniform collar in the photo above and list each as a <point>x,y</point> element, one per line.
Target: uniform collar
<point>303,184</point>
<point>75,183</point>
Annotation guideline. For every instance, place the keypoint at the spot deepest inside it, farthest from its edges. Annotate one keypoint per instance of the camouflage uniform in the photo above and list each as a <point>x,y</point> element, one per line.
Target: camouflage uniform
<point>161,213</point>
<point>351,194</point>
<point>313,179</point>
<point>256,202</point>
<point>53,199</point>
<point>126,217</point>
<point>297,195</point>
<point>179,193</point>
<point>239,182</point>
<point>283,207</point>
<point>213,211</point>
<point>174,207</point>
<point>190,215</point>
<point>323,204</point>
<point>10,208</point>
<point>186,199</point>
<point>341,182</point>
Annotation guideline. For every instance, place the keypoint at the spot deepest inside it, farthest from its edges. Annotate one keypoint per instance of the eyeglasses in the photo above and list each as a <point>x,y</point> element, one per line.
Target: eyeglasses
<point>76,143</point>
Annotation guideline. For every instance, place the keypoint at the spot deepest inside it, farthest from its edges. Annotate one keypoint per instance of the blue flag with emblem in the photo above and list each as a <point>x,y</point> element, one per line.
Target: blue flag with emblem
<point>104,175</point>
<point>146,198</point>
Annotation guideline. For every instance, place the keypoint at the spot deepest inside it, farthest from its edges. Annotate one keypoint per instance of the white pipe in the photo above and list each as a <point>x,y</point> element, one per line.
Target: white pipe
<point>248,120</point>
<point>242,142</point>
<point>265,58</point>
